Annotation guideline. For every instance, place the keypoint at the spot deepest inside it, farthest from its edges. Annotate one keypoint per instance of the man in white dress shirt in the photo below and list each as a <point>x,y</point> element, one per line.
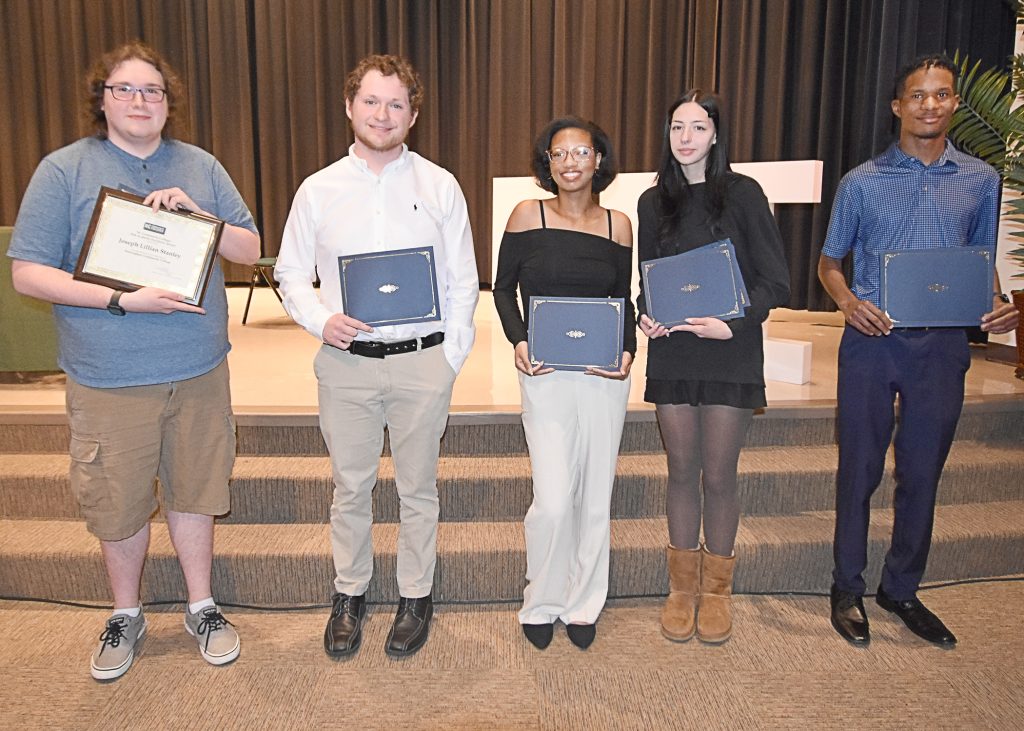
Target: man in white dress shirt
<point>381,196</point>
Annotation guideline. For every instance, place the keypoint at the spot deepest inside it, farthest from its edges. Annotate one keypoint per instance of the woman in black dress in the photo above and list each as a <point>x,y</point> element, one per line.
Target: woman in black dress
<point>706,376</point>
<point>568,246</point>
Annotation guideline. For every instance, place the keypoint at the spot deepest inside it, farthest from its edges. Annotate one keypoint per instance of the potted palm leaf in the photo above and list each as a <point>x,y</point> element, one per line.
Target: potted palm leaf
<point>989,124</point>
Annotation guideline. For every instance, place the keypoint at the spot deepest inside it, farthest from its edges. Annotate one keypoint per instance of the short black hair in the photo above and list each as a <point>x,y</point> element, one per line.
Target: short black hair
<point>603,175</point>
<point>927,61</point>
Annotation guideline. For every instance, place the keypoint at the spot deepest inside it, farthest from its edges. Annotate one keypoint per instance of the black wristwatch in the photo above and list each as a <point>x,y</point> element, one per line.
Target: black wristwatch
<point>1001,296</point>
<point>114,307</point>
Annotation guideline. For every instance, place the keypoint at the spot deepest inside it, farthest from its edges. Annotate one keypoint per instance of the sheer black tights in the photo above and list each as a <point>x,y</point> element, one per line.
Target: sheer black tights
<point>703,441</point>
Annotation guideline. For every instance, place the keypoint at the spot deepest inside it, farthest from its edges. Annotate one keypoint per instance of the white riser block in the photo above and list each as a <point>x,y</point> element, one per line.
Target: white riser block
<point>788,361</point>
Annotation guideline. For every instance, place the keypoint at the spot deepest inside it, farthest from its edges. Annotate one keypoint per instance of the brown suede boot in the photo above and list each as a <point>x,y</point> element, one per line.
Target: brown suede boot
<point>714,622</point>
<point>679,615</point>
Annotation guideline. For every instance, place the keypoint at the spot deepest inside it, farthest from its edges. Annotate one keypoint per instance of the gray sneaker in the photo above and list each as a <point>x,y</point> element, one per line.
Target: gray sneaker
<point>218,641</point>
<point>119,643</point>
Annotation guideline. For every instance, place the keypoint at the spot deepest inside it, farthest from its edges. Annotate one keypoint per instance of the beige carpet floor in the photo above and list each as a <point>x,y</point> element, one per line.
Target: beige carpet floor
<point>783,668</point>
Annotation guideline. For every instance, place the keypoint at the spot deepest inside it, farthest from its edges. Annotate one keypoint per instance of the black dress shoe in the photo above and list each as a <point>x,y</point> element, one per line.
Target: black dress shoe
<point>581,635</point>
<point>849,618</point>
<point>539,635</point>
<point>412,624</point>
<point>918,618</point>
<point>344,628</point>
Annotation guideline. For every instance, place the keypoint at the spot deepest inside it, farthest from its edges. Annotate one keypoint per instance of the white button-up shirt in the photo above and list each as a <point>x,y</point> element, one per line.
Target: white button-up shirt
<point>346,209</point>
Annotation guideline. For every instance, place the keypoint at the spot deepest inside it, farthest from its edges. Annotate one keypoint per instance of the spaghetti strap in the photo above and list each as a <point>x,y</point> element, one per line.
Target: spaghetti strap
<point>610,224</point>
<point>543,223</point>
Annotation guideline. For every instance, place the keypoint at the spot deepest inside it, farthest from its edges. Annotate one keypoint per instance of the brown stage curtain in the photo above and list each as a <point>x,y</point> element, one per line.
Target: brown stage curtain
<point>266,83</point>
<point>48,45</point>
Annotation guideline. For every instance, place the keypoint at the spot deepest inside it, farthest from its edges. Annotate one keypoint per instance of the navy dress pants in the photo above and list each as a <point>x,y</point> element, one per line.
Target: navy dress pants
<point>926,369</point>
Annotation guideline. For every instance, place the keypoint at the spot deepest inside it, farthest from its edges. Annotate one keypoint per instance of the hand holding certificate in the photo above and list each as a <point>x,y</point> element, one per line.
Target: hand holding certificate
<point>390,287</point>
<point>129,246</point>
<point>703,282</point>
<point>940,287</point>
<point>576,333</point>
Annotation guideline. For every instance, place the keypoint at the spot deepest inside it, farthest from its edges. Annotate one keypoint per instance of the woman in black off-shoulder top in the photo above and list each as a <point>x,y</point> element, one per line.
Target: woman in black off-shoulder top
<point>706,377</point>
<point>568,246</point>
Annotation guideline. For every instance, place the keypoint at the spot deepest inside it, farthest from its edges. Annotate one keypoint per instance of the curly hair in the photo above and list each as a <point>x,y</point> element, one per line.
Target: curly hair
<point>387,65</point>
<point>603,175</point>
<point>97,77</point>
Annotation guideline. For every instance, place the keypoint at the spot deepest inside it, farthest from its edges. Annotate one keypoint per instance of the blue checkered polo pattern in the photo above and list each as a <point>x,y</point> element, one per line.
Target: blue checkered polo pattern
<point>894,201</point>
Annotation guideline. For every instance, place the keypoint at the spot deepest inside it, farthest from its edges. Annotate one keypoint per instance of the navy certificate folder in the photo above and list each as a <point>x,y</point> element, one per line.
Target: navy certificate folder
<point>940,287</point>
<point>576,333</point>
<point>390,287</point>
<point>703,282</point>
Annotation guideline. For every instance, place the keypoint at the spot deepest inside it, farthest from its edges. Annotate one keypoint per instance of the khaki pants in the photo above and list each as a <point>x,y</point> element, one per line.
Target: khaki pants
<point>409,394</point>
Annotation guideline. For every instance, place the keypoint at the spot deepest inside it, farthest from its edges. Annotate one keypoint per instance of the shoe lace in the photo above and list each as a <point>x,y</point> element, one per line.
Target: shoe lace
<point>114,632</point>
<point>344,605</point>
<point>212,621</point>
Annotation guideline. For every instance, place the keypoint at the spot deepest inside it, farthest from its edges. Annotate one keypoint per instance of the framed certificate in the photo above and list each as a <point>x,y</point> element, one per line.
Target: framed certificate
<point>940,287</point>
<point>392,287</point>
<point>128,246</point>
<point>576,333</point>
<point>703,282</point>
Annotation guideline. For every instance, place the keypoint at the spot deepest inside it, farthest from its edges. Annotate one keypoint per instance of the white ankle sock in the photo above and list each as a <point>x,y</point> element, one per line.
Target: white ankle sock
<point>201,604</point>
<point>131,612</point>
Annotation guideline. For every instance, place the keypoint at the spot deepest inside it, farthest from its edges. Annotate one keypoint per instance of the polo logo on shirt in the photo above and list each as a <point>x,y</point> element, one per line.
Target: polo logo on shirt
<point>154,228</point>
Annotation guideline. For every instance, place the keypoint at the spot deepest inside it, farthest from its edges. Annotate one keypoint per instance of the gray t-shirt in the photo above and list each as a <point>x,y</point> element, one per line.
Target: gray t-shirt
<point>103,350</point>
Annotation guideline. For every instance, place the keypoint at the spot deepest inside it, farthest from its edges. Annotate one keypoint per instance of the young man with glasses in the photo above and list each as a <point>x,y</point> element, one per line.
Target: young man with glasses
<point>147,376</point>
<point>381,196</point>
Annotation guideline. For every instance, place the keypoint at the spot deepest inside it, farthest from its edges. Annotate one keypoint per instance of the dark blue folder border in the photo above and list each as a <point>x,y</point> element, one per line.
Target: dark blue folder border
<point>615,305</point>
<point>658,303</point>
<point>397,258</point>
<point>939,287</point>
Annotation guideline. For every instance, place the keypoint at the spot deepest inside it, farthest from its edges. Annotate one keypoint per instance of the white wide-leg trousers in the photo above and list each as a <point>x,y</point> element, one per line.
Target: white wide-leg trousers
<point>573,425</point>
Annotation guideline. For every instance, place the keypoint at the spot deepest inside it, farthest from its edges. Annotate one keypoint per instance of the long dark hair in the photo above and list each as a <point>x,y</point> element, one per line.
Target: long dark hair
<point>673,190</point>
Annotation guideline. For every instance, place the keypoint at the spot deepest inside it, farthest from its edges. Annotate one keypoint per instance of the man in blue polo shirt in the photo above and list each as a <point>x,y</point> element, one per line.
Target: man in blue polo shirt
<point>920,193</point>
<point>147,386</point>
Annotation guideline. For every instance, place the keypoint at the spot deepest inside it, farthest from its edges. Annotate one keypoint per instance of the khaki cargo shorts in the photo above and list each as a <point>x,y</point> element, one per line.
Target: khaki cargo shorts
<point>123,438</point>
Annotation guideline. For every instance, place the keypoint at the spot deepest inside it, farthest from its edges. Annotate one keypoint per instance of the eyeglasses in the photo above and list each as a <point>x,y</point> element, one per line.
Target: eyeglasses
<point>125,93</point>
<point>581,154</point>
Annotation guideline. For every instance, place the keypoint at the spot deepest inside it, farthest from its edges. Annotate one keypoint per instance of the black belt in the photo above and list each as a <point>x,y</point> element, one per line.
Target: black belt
<point>374,349</point>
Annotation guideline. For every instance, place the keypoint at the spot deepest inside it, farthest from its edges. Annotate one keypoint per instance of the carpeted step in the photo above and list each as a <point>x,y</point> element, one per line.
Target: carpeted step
<point>284,489</point>
<point>291,564</point>
<point>502,433</point>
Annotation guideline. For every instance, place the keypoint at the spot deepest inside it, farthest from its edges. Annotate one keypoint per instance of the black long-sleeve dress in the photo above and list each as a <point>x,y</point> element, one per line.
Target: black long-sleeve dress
<point>683,368</point>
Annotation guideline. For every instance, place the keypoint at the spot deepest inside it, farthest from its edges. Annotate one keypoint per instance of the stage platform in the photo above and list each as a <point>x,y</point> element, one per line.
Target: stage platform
<point>478,671</point>
<point>272,374</point>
